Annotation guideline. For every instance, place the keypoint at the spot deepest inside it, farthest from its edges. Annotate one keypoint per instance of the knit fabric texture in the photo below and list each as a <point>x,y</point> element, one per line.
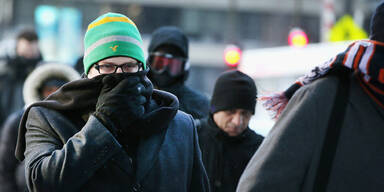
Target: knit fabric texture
<point>234,90</point>
<point>111,35</point>
<point>169,35</point>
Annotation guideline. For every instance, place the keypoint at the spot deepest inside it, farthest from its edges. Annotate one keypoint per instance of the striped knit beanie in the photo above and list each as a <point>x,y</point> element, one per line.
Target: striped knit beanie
<point>110,35</point>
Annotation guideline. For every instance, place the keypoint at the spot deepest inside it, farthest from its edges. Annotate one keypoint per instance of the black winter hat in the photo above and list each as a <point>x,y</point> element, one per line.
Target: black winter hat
<point>169,35</point>
<point>234,90</point>
<point>377,23</point>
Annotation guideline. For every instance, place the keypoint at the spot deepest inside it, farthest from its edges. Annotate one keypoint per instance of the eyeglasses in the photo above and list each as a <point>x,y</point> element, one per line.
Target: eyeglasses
<point>160,62</point>
<point>125,68</point>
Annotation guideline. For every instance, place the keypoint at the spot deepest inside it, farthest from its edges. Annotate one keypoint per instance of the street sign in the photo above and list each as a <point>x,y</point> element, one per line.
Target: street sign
<point>346,29</point>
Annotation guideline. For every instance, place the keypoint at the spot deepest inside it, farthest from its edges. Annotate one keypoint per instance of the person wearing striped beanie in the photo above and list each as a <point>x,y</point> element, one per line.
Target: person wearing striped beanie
<point>329,128</point>
<point>111,35</point>
<point>110,131</point>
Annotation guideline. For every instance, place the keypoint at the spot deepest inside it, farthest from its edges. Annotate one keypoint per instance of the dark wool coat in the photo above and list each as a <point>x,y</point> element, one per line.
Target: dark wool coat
<point>61,156</point>
<point>225,157</point>
<point>289,156</point>
<point>11,84</point>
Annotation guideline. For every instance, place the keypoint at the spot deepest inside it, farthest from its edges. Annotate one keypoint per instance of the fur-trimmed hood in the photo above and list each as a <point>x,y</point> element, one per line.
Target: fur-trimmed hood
<point>43,73</point>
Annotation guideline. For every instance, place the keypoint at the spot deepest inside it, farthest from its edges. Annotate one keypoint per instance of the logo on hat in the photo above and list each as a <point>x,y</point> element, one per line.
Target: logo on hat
<point>114,48</point>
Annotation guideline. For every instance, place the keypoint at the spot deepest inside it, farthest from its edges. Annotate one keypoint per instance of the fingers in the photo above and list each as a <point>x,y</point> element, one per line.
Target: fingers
<point>109,82</point>
<point>127,84</point>
<point>148,87</point>
<point>146,82</point>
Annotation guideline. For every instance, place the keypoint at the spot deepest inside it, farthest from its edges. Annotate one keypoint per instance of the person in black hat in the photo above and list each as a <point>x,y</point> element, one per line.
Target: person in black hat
<point>329,136</point>
<point>169,63</point>
<point>226,141</point>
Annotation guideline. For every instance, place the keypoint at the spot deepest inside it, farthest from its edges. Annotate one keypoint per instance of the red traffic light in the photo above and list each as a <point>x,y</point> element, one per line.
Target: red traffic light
<point>297,38</point>
<point>232,55</point>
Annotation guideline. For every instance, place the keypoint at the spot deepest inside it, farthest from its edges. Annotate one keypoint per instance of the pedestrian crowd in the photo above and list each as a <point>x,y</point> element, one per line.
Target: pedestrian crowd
<point>121,121</point>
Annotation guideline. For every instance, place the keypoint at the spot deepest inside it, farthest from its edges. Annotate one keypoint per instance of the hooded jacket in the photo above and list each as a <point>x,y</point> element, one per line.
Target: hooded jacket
<point>12,174</point>
<point>190,100</point>
<point>65,151</point>
<point>225,157</point>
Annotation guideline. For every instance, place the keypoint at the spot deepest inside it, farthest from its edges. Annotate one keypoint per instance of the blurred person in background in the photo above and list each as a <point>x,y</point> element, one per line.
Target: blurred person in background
<point>16,70</point>
<point>40,83</point>
<point>79,66</point>
<point>110,131</point>
<point>168,59</point>
<point>330,135</point>
<point>226,141</point>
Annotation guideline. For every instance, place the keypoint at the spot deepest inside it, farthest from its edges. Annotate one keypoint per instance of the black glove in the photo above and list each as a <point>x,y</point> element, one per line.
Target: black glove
<point>147,91</point>
<point>120,102</point>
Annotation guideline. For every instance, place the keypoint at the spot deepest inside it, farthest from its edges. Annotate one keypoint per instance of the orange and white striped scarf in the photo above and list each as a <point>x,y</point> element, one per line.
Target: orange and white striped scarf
<point>366,57</point>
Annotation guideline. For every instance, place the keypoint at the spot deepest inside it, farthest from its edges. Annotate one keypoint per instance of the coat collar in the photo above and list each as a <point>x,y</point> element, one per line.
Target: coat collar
<point>150,146</point>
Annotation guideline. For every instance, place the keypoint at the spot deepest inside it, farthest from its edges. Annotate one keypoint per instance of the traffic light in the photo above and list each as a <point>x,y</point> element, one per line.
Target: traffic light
<point>232,56</point>
<point>297,38</point>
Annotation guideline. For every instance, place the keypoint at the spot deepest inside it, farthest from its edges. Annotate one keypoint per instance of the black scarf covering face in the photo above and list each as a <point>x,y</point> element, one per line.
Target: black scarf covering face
<point>364,57</point>
<point>80,97</point>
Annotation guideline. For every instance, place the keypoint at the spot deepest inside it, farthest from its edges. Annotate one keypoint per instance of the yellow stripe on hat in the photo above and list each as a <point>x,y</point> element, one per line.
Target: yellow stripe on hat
<point>110,19</point>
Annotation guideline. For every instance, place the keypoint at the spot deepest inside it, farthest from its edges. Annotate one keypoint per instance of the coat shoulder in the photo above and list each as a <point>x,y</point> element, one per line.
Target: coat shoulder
<point>182,125</point>
<point>49,120</point>
<point>44,113</point>
<point>325,86</point>
<point>183,118</point>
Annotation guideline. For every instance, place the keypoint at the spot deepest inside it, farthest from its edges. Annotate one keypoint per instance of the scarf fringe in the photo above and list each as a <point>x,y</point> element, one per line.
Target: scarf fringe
<point>357,57</point>
<point>274,104</point>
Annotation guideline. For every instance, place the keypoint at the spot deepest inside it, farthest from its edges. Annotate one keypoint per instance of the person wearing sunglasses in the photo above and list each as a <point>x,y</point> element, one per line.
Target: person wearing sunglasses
<point>111,131</point>
<point>168,60</point>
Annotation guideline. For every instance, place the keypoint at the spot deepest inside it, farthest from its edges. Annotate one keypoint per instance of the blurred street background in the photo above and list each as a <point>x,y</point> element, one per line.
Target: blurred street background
<point>279,40</point>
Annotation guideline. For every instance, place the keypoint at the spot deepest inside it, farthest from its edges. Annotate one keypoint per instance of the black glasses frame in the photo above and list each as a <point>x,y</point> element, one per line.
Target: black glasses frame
<point>140,67</point>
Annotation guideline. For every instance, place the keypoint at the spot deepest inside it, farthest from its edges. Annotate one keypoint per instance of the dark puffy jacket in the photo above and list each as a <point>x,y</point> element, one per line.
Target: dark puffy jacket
<point>11,96</point>
<point>225,157</point>
<point>12,176</point>
<point>190,101</point>
<point>61,155</point>
<point>11,84</point>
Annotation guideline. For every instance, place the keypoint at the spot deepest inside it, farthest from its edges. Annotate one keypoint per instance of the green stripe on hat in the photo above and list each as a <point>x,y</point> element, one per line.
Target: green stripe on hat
<point>110,35</point>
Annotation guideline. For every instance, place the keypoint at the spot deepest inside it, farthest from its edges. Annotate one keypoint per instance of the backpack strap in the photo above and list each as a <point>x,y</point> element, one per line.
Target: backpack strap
<point>335,123</point>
